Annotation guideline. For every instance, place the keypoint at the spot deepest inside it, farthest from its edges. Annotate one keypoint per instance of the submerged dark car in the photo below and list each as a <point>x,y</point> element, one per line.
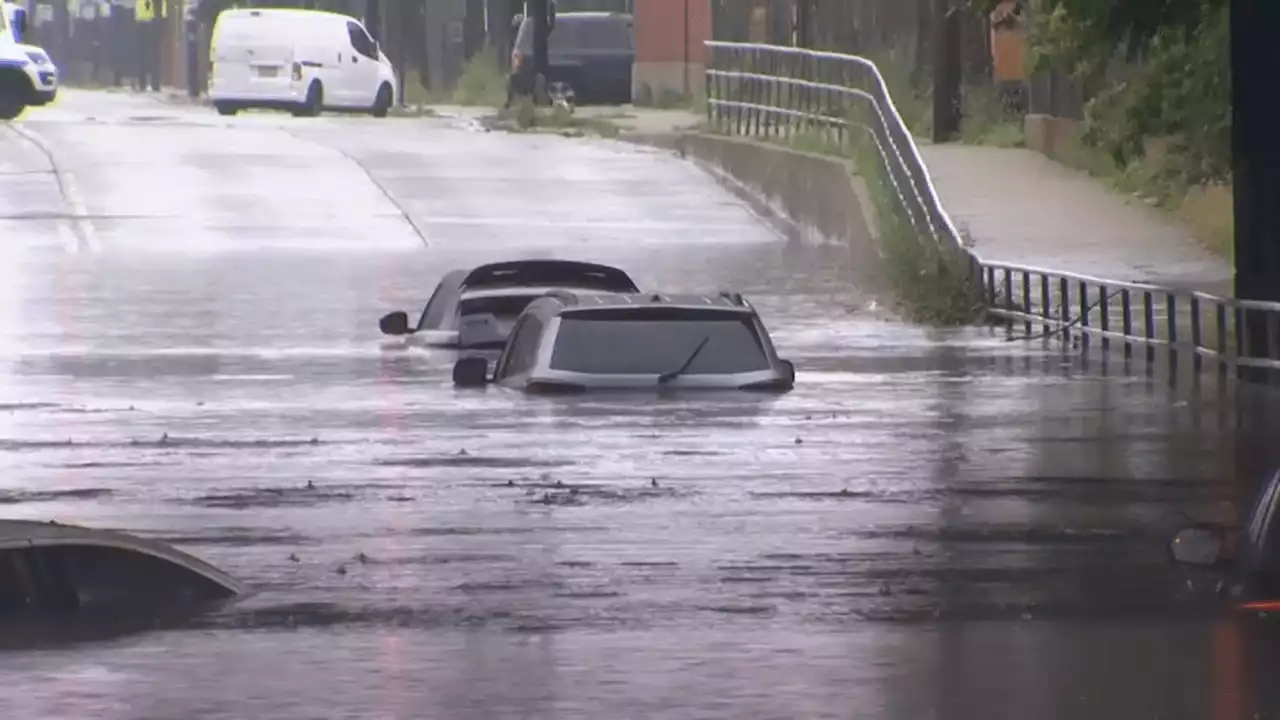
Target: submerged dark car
<point>589,54</point>
<point>1245,561</point>
<point>475,309</point>
<point>573,342</point>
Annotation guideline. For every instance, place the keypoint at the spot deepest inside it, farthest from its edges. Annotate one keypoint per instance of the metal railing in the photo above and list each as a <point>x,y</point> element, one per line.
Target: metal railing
<point>786,93</point>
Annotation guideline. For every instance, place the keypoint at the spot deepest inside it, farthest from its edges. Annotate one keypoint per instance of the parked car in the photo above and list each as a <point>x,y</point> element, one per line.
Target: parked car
<point>28,78</point>
<point>1244,560</point>
<point>573,342</point>
<point>302,61</point>
<point>475,309</point>
<point>589,54</point>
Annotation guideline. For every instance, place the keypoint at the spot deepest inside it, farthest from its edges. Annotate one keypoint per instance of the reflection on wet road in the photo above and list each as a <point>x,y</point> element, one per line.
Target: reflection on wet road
<point>931,525</point>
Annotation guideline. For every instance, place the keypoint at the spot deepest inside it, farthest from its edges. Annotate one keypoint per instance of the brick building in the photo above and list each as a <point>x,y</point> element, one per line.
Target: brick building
<point>670,55</point>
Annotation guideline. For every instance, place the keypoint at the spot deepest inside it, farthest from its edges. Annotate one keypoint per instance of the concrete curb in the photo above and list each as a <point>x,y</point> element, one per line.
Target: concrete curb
<point>817,199</point>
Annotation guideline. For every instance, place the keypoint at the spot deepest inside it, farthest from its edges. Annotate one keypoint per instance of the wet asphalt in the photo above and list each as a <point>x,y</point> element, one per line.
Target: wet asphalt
<point>932,525</point>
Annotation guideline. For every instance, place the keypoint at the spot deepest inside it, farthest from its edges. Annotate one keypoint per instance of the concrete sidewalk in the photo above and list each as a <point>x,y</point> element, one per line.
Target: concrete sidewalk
<point>1020,207</point>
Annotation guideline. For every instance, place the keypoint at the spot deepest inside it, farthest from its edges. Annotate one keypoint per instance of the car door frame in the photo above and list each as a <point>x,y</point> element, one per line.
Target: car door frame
<point>523,326</point>
<point>361,68</point>
<point>1262,551</point>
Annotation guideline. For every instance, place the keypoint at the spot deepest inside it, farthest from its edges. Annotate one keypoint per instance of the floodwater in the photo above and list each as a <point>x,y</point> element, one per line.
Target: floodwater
<point>932,525</point>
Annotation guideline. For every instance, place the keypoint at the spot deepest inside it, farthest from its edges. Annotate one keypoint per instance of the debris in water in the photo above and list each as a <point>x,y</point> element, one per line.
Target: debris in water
<point>293,557</point>
<point>364,559</point>
<point>342,570</point>
<point>799,441</point>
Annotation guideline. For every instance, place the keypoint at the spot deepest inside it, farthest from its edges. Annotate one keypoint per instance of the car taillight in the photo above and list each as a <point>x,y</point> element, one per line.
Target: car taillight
<point>297,72</point>
<point>517,60</point>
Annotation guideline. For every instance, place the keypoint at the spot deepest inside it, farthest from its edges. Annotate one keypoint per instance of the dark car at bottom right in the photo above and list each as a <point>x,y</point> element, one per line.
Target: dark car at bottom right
<point>567,342</point>
<point>1243,561</point>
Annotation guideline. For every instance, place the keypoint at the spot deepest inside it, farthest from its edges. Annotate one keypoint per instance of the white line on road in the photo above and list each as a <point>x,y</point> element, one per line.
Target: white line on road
<point>81,224</point>
<point>408,217</point>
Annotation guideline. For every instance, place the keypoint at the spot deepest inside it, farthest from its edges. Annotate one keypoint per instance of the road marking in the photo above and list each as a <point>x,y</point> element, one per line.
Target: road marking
<point>414,225</point>
<point>80,224</point>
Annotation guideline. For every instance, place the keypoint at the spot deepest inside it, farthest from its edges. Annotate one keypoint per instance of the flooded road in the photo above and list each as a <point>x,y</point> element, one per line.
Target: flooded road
<point>931,525</point>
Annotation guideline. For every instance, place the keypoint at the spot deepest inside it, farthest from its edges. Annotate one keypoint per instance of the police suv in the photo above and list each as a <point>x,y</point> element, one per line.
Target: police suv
<point>27,76</point>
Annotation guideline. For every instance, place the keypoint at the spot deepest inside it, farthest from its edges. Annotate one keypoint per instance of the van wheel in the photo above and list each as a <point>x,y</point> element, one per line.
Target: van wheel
<point>11,109</point>
<point>225,108</point>
<point>382,103</point>
<point>314,103</point>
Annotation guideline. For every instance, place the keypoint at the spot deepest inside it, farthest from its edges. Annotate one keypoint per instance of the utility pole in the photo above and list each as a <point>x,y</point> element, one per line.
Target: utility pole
<point>804,23</point>
<point>473,28</point>
<point>373,19</point>
<point>1255,167</point>
<point>947,71</point>
<point>539,16</point>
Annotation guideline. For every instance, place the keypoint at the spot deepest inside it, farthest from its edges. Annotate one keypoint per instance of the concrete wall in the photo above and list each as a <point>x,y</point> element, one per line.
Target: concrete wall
<point>815,198</point>
<point>670,55</point>
<point>1054,137</point>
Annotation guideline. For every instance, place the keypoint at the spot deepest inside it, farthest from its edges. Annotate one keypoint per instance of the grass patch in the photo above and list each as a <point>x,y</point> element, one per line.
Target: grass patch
<point>526,116</point>
<point>985,121</point>
<point>931,284</point>
<point>483,82</point>
<point>1155,179</point>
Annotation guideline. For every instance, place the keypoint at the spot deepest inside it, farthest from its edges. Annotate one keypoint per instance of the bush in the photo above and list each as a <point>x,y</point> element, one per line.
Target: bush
<point>483,81</point>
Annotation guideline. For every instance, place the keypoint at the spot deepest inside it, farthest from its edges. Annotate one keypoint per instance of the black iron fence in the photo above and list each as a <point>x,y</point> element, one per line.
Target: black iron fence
<point>783,93</point>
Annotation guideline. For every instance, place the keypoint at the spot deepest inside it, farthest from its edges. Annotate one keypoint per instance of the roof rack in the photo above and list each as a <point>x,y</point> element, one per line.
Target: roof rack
<point>565,296</point>
<point>734,297</point>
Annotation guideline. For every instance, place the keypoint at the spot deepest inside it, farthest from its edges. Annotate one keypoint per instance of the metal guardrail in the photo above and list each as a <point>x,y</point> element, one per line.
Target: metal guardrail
<point>778,92</point>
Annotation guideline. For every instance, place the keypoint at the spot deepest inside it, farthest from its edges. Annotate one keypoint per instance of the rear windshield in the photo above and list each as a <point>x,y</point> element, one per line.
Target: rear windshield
<point>570,34</point>
<point>500,305</point>
<point>623,342</point>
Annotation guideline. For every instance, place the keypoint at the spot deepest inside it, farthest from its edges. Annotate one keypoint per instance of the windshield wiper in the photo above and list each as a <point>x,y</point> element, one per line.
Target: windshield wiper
<point>667,377</point>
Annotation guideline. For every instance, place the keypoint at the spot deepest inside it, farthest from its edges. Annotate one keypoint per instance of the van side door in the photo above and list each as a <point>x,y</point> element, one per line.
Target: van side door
<point>361,67</point>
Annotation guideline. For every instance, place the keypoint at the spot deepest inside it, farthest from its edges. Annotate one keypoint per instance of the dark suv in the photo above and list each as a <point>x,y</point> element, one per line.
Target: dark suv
<point>591,53</point>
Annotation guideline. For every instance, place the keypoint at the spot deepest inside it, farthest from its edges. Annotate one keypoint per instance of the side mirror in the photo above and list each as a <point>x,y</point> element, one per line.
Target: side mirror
<point>395,323</point>
<point>1199,546</point>
<point>551,14</point>
<point>471,372</point>
<point>20,23</point>
<point>789,368</point>
<point>516,21</point>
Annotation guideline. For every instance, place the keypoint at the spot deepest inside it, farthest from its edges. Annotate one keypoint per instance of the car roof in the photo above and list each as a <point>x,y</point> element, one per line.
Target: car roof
<point>521,291</point>
<point>572,302</point>
<point>549,273</point>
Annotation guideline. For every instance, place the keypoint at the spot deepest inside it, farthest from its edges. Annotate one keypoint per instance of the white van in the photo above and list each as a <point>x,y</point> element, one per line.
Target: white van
<point>303,61</point>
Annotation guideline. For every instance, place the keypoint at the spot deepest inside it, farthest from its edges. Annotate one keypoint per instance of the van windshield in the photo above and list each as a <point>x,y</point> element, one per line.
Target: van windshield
<point>646,343</point>
<point>577,34</point>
